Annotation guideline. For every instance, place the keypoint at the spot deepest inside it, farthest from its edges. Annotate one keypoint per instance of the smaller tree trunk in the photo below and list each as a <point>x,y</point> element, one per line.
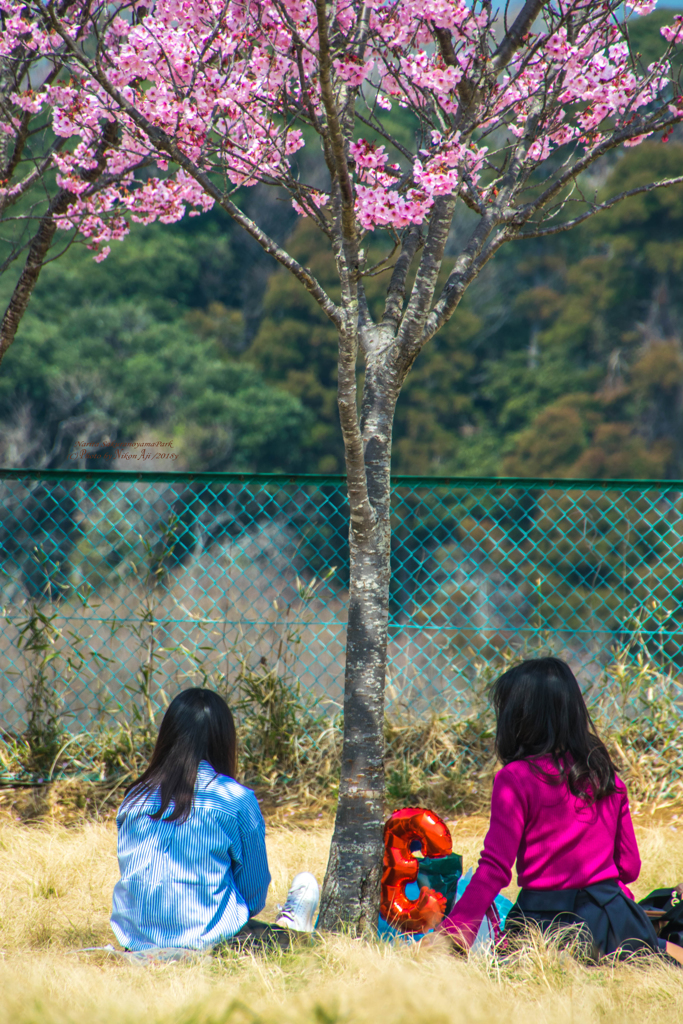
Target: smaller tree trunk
<point>40,244</point>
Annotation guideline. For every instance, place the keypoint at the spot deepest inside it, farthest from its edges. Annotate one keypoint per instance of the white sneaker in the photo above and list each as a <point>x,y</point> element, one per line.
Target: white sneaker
<point>300,906</point>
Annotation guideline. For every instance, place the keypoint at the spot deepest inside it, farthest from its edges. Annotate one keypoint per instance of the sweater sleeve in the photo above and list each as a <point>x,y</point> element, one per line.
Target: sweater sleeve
<point>626,855</point>
<point>508,815</point>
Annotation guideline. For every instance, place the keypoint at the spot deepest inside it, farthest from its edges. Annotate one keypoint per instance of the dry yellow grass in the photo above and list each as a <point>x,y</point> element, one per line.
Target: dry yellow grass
<point>55,896</point>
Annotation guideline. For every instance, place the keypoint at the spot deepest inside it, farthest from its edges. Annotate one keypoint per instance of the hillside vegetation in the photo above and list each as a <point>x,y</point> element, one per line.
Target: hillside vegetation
<point>564,359</point>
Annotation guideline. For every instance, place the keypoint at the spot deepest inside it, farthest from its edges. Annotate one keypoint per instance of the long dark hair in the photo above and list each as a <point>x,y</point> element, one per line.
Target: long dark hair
<point>198,726</point>
<point>540,712</point>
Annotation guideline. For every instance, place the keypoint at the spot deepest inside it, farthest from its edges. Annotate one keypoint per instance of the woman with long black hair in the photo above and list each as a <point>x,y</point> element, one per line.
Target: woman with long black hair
<point>561,812</point>
<point>191,841</point>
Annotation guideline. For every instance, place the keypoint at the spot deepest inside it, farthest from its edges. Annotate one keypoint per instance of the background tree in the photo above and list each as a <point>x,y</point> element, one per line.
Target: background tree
<point>511,114</point>
<point>32,200</point>
<point>119,355</point>
<point>614,311</point>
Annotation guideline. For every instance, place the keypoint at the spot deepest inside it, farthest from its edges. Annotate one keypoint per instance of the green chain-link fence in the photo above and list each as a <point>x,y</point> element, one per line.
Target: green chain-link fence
<point>118,589</point>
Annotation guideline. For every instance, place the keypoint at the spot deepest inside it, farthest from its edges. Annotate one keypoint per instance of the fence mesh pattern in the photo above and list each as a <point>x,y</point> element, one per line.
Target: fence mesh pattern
<point>118,589</point>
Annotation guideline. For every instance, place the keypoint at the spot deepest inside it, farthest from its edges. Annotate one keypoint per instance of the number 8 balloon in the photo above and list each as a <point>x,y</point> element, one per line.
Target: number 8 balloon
<point>404,829</point>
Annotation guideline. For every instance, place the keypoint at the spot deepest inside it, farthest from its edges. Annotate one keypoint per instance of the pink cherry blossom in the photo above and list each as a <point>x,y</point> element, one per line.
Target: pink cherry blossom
<point>674,33</point>
<point>352,71</point>
<point>642,6</point>
<point>237,87</point>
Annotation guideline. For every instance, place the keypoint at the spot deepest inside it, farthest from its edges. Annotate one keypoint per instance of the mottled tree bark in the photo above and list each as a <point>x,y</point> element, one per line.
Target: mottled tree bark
<point>38,250</point>
<point>351,888</point>
<point>350,896</point>
<point>40,246</point>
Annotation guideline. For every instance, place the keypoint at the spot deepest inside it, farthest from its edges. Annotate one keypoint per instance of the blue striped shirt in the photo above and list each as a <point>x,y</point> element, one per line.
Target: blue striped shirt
<point>190,884</point>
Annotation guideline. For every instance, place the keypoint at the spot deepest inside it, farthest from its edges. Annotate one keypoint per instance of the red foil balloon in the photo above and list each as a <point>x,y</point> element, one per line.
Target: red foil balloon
<point>405,828</point>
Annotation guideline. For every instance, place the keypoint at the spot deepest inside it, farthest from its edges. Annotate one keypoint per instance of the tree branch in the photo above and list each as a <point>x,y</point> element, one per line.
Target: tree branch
<point>385,135</point>
<point>466,90</point>
<point>458,279</point>
<point>522,214</point>
<point>361,512</point>
<point>512,41</point>
<point>161,141</point>
<point>597,208</point>
<point>304,91</point>
<point>396,293</point>
<point>24,133</point>
<point>425,280</point>
<point>457,285</point>
<point>515,36</point>
<point>41,242</point>
<point>336,137</point>
<point>14,194</point>
<point>15,253</point>
<point>19,143</point>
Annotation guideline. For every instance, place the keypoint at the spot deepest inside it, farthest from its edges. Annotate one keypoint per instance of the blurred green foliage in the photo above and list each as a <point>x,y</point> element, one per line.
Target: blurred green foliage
<point>564,358</point>
<point>145,345</point>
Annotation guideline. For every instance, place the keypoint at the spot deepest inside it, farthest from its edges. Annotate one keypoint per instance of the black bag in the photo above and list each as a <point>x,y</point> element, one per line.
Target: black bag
<point>664,907</point>
<point>441,874</point>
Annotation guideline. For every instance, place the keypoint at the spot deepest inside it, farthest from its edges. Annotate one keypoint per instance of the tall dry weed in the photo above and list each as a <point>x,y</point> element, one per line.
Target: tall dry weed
<point>290,744</point>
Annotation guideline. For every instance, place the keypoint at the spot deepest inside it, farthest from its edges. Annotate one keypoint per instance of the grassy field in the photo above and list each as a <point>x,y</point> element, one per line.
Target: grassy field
<point>56,887</point>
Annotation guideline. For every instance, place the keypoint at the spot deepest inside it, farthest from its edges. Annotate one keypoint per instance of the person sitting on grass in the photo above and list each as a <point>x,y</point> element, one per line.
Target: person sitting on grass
<point>191,843</point>
<point>560,810</point>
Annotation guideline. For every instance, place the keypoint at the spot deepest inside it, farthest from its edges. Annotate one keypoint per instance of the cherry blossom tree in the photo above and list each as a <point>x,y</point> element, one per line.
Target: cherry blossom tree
<point>31,201</point>
<point>511,112</point>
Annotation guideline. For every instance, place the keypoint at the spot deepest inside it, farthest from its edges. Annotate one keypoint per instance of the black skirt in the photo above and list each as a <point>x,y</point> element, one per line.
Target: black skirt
<point>605,920</point>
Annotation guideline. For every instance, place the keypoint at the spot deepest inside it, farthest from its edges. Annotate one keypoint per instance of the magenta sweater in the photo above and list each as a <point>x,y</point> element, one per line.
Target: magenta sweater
<point>558,841</point>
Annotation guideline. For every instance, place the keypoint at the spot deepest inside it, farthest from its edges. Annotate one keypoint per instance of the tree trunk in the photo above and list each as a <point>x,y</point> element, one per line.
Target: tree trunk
<point>350,896</point>
<point>41,242</point>
<point>28,279</point>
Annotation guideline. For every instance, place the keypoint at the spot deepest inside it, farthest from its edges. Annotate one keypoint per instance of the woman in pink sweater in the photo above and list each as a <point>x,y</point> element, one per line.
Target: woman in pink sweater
<point>561,812</point>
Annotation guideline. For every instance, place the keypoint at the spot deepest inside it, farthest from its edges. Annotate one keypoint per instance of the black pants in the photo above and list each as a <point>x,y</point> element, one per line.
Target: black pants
<point>605,920</point>
<point>260,936</point>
